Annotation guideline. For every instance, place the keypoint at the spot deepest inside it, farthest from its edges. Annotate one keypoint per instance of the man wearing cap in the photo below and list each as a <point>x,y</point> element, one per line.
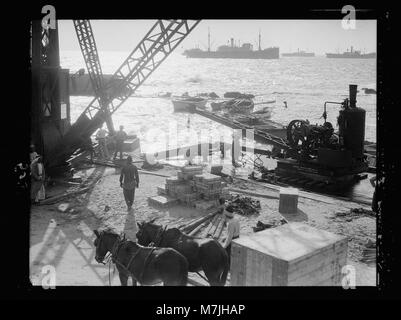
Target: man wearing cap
<point>129,180</point>
<point>233,229</point>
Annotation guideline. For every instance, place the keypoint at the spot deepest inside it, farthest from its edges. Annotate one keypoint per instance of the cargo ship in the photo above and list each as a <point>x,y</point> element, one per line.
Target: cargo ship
<point>352,55</point>
<point>299,54</point>
<point>233,51</point>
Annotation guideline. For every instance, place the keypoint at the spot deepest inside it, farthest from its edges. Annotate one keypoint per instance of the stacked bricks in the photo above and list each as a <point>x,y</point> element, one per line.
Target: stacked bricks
<point>208,186</point>
<point>194,188</point>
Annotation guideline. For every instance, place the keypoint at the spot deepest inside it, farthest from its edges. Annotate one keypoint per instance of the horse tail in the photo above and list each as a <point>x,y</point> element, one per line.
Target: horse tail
<point>223,276</point>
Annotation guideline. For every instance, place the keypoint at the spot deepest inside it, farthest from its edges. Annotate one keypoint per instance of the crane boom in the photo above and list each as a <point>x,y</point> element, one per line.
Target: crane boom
<point>152,50</point>
<point>86,40</point>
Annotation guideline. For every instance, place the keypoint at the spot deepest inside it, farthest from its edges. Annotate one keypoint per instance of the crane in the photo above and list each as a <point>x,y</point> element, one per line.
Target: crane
<point>152,50</point>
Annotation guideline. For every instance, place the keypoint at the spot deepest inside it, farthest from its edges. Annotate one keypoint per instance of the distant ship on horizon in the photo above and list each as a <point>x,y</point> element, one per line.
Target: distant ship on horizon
<point>234,52</point>
<point>299,54</point>
<point>352,55</point>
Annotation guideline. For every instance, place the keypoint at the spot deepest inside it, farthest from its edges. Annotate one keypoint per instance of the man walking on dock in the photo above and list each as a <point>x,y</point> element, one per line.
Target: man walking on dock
<point>120,137</point>
<point>129,180</point>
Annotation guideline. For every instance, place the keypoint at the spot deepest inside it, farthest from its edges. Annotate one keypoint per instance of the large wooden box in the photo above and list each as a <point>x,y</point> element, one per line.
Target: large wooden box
<point>293,254</point>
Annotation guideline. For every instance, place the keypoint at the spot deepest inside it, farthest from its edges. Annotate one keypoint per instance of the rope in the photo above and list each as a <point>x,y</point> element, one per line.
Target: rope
<point>202,276</point>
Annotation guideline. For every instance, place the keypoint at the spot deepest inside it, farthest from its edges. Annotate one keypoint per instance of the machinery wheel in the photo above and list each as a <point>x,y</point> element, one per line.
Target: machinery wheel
<point>296,133</point>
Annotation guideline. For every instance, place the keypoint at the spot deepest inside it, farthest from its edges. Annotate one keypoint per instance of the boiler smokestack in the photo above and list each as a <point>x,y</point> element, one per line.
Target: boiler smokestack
<point>352,95</point>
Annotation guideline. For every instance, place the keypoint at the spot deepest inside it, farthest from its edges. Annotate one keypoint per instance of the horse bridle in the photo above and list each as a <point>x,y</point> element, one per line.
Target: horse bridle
<point>114,252</point>
<point>116,247</point>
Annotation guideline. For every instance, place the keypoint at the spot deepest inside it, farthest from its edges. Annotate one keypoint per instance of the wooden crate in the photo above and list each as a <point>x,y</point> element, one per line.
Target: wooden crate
<point>293,254</point>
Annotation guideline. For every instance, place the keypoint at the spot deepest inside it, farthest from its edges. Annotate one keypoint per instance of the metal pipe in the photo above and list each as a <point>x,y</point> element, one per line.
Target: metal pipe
<point>352,95</point>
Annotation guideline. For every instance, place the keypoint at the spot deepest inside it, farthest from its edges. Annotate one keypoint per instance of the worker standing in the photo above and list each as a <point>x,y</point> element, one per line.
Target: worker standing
<point>120,137</point>
<point>375,205</point>
<point>32,154</point>
<point>37,180</point>
<point>233,229</point>
<point>101,136</point>
<point>129,180</point>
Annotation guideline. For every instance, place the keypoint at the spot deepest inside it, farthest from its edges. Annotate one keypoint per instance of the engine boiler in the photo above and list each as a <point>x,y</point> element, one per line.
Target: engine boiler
<point>319,153</point>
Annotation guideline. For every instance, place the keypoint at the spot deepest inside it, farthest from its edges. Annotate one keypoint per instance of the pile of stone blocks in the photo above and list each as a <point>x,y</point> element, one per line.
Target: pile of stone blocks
<point>193,188</point>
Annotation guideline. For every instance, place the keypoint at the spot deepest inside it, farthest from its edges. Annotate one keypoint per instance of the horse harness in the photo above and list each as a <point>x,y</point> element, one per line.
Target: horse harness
<point>158,241</point>
<point>159,237</point>
<point>114,252</point>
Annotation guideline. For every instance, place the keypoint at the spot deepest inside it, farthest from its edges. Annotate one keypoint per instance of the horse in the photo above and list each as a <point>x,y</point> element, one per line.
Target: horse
<point>147,265</point>
<point>202,254</point>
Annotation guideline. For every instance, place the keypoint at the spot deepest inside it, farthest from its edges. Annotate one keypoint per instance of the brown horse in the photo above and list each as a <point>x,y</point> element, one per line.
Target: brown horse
<point>146,265</point>
<point>202,254</point>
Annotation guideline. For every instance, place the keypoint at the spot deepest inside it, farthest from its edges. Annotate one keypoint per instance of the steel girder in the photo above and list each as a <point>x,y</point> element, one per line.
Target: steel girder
<point>90,54</point>
<point>153,49</point>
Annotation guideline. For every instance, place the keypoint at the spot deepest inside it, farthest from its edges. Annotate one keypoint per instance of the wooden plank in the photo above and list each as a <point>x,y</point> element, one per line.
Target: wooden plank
<point>300,265</point>
<point>238,265</point>
<point>63,196</point>
<point>219,228</point>
<point>323,271</point>
<point>198,228</point>
<point>259,271</point>
<point>332,259</point>
<point>212,223</point>
<point>213,230</point>
<point>197,222</point>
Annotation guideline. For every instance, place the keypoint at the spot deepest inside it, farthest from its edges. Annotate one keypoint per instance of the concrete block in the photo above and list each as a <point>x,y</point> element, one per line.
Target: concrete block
<point>163,201</point>
<point>288,200</point>
<point>161,190</point>
<point>191,169</point>
<point>173,180</point>
<point>216,169</point>
<point>293,254</point>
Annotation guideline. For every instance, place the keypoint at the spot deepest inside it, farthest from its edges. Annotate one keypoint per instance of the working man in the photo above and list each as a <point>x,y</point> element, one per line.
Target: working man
<point>37,180</point>
<point>101,136</point>
<point>32,154</point>
<point>233,230</point>
<point>129,180</point>
<point>375,205</point>
<point>120,137</point>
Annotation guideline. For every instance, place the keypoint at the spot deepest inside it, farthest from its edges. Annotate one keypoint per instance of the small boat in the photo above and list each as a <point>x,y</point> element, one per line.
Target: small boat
<point>188,104</point>
<point>165,95</point>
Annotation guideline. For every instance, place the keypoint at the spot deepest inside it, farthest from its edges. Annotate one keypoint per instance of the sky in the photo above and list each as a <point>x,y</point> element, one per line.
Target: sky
<point>319,36</point>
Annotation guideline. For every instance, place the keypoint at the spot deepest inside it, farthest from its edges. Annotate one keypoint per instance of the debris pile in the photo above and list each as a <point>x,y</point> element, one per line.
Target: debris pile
<point>369,253</point>
<point>355,213</point>
<point>238,95</point>
<point>193,188</point>
<point>243,205</point>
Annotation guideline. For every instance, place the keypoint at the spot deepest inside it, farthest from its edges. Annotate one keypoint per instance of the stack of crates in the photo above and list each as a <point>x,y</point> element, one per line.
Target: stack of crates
<point>188,172</point>
<point>208,186</point>
<point>191,185</point>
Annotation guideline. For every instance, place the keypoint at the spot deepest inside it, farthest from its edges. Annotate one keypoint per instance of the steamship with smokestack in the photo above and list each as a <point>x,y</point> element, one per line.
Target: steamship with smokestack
<point>233,51</point>
<point>352,54</point>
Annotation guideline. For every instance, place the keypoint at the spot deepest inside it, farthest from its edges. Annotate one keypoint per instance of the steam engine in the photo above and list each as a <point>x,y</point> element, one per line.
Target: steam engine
<point>319,153</point>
